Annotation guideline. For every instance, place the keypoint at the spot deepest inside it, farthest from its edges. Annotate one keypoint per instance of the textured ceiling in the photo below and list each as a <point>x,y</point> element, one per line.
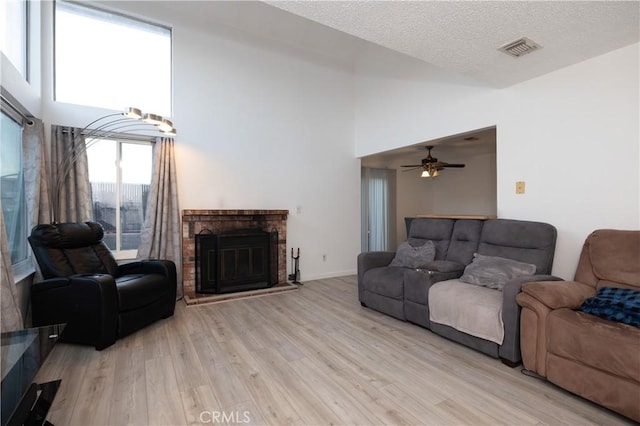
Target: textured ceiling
<point>458,36</point>
<point>463,36</point>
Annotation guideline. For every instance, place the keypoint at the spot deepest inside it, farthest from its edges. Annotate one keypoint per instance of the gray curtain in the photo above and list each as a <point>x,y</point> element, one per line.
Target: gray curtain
<point>160,234</point>
<point>35,174</point>
<point>11,317</point>
<point>36,185</point>
<point>71,190</point>
<point>378,209</point>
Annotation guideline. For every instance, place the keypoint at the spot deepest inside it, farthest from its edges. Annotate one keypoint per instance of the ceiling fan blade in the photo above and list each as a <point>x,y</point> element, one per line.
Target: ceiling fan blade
<point>411,169</point>
<point>431,164</point>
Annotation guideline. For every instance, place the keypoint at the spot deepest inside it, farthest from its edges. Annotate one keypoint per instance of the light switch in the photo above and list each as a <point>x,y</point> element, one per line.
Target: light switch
<point>520,187</point>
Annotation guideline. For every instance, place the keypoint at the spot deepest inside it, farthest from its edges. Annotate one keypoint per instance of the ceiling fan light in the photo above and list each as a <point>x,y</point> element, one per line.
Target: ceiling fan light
<point>425,173</point>
<point>435,173</point>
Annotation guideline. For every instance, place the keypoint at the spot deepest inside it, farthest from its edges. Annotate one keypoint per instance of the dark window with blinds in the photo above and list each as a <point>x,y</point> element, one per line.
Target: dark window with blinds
<point>12,186</point>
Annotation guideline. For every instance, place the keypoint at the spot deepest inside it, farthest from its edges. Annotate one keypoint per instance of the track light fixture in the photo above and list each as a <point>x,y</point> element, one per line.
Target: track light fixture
<point>130,120</point>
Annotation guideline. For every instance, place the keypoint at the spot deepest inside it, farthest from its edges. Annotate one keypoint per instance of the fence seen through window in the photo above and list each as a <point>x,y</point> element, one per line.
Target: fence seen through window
<point>120,176</point>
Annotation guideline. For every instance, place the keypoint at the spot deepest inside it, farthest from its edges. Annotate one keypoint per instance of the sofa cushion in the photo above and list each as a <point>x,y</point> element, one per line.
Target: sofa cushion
<point>615,257</point>
<point>84,260</point>
<point>468,308</point>
<point>615,304</point>
<point>588,340</point>
<point>524,241</point>
<point>437,230</point>
<point>414,257</point>
<point>494,272</point>
<point>465,239</point>
<point>66,249</point>
<point>386,281</point>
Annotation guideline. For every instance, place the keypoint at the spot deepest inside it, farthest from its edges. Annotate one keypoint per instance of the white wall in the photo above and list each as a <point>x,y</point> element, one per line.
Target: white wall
<point>261,125</point>
<point>572,135</point>
<point>15,84</point>
<point>473,188</point>
<point>401,101</point>
<point>262,130</point>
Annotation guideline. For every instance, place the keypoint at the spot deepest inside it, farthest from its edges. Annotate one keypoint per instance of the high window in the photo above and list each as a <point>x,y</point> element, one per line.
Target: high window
<point>13,33</point>
<point>120,175</point>
<point>111,61</point>
<point>12,186</point>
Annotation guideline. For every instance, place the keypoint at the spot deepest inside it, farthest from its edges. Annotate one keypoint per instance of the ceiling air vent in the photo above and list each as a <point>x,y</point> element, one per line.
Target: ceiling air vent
<point>520,47</point>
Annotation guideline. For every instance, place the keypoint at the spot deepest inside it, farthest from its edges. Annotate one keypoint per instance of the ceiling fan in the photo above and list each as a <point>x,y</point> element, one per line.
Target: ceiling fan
<point>431,166</point>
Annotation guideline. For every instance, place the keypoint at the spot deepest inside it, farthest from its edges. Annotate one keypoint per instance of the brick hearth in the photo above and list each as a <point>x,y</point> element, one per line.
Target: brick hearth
<point>217,221</point>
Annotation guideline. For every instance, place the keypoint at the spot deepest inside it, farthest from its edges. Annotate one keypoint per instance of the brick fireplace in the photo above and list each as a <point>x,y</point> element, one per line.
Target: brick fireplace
<point>195,222</point>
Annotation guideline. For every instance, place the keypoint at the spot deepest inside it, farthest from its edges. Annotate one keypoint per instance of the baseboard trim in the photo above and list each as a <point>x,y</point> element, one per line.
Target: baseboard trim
<point>335,274</point>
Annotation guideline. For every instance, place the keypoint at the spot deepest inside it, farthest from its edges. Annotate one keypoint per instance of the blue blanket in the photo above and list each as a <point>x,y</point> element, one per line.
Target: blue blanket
<point>616,304</point>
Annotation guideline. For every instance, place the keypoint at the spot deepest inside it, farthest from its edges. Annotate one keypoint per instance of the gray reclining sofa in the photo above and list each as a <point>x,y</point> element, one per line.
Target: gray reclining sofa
<point>403,293</point>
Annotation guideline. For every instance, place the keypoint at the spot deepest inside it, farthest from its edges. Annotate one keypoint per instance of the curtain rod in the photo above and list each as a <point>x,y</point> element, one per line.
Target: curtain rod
<point>114,135</point>
<point>16,109</point>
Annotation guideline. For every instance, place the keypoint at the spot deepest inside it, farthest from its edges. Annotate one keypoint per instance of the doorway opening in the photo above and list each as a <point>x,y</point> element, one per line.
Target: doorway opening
<point>468,190</point>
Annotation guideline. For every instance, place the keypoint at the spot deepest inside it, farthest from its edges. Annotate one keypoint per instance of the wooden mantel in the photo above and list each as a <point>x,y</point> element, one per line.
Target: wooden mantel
<point>457,216</point>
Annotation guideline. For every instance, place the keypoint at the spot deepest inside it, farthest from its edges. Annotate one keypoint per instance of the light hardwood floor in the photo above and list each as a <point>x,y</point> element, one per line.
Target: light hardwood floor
<point>307,357</point>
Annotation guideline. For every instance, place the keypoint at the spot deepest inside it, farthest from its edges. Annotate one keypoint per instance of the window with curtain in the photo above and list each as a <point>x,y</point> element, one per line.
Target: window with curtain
<point>378,209</point>
<point>120,177</point>
<point>130,60</point>
<point>12,186</point>
<point>13,33</point>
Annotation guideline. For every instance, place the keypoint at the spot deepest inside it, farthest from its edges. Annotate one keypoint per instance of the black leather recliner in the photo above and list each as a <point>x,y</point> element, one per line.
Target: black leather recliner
<point>84,286</point>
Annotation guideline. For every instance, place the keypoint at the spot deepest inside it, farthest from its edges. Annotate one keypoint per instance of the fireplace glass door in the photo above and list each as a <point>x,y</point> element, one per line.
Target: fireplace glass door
<point>233,261</point>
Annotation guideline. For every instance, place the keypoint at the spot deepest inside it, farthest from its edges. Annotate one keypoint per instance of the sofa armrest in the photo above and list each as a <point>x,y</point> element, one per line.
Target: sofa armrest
<point>533,333</point>
<point>567,294</point>
<point>369,260</point>
<point>374,259</point>
<point>166,268</point>
<point>538,300</point>
<point>87,303</point>
<point>50,284</point>
<point>510,348</point>
<point>161,266</point>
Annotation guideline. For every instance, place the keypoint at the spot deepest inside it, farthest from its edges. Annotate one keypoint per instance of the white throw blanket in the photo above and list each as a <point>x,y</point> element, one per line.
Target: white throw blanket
<point>469,308</point>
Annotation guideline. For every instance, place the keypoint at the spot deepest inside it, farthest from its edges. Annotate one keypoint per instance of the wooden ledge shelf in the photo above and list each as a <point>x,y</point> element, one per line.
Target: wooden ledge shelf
<point>457,216</point>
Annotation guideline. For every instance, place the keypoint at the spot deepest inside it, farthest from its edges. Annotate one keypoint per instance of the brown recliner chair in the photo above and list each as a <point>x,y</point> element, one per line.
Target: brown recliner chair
<point>84,287</point>
<point>596,358</point>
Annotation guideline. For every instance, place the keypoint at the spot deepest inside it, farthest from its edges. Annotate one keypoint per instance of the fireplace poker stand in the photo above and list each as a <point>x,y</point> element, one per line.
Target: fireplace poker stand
<point>294,276</point>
